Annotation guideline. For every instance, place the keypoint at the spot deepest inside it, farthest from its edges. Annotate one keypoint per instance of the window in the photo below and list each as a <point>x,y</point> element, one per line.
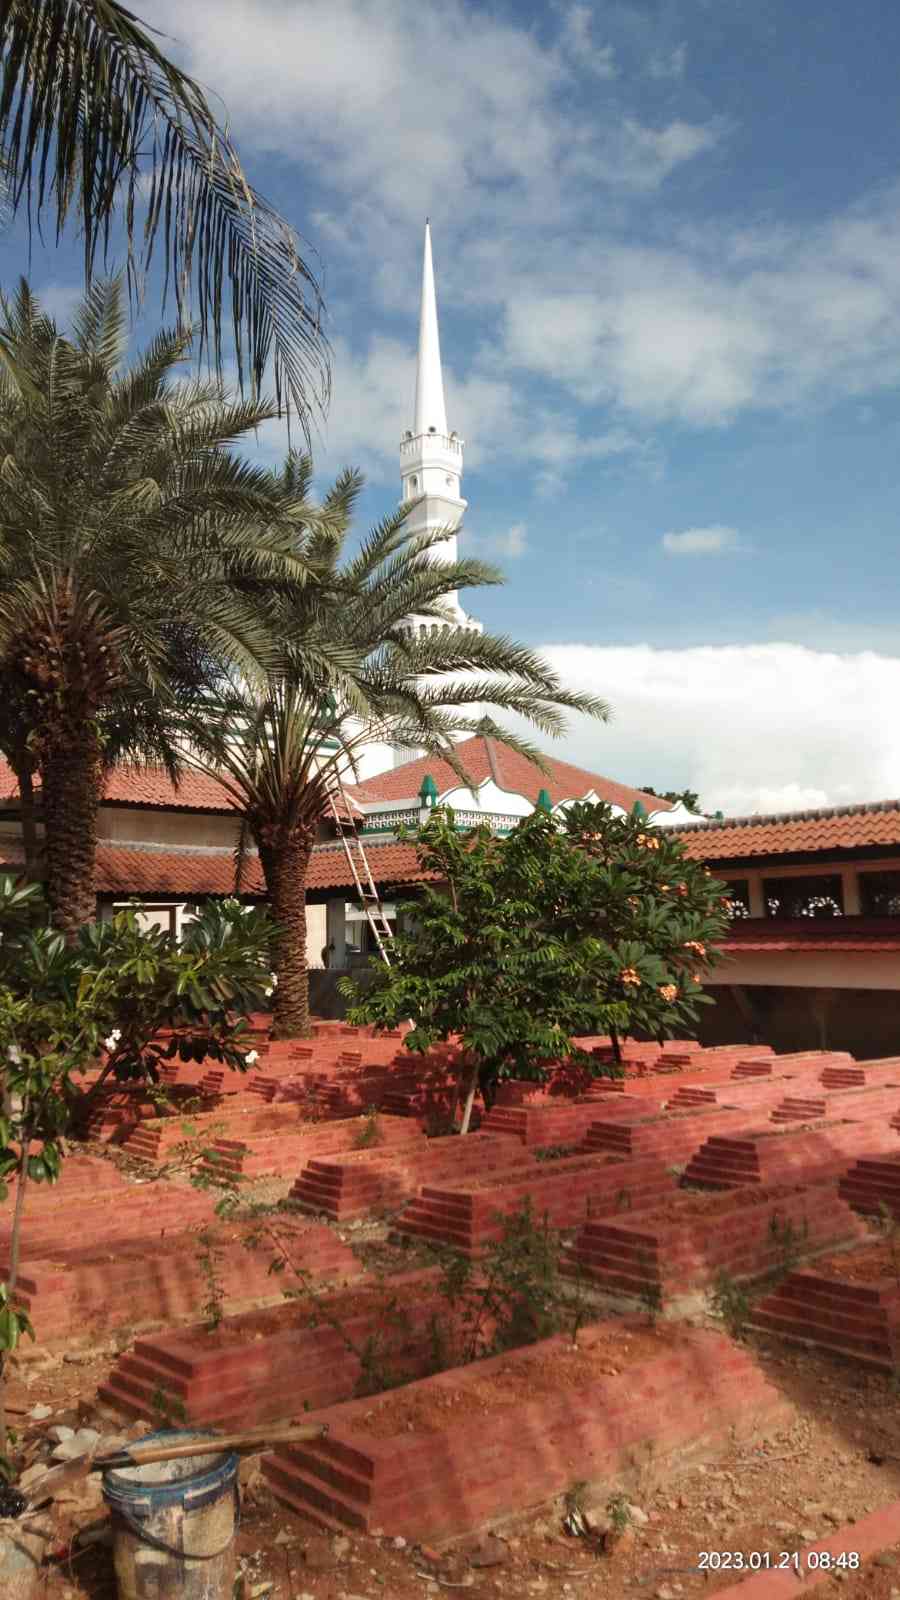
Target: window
<point>879,894</point>
<point>738,892</point>
<point>804,896</point>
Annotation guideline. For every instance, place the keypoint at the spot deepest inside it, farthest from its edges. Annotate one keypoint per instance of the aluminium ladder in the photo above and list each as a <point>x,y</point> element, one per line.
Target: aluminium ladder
<point>358,861</point>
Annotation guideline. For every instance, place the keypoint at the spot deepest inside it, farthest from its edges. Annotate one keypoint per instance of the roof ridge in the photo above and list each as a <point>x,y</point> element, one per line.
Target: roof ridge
<point>808,814</point>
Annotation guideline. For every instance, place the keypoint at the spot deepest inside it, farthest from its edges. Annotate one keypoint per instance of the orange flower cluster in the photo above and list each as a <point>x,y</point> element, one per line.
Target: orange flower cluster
<point>698,948</point>
<point>629,976</point>
<point>668,991</point>
<point>648,841</point>
<point>682,889</point>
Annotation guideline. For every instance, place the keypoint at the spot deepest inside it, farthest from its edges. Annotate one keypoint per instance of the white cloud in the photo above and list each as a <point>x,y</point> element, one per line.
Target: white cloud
<point>751,728</point>
<point>513,543</point>
<point>412,107</point>
<point>60,301</point>
<point>577,38</point>
<point>372,405</point>
<point>539,178</point>
<point>668,63</point>
<point>711,541</point>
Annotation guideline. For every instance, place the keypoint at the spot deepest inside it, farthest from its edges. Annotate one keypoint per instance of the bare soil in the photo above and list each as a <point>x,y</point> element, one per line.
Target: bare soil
<point>601,1352</point>
<point>873,1263</point>
<point>797,1486</point>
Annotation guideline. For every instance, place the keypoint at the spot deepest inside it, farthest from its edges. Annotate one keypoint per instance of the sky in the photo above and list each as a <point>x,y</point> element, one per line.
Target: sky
<point>667,248</point>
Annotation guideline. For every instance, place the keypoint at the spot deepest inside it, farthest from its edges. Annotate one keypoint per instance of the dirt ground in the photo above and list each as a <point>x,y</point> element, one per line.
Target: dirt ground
<point>804,1484</point>
<point>839,1461</point>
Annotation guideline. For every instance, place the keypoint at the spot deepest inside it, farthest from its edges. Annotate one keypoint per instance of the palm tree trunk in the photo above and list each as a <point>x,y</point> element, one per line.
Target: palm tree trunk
<point>72,781</point>
<point>285,866</point>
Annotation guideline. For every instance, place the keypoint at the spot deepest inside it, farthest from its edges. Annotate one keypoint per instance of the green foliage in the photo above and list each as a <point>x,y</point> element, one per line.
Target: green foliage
<point>574,1497</point>
<point>584,925</point>
<point>350,668</point>
<point>514,1294</point>
<point>168,1410</point>
<point>370,1133</point>
<point>730,1303</point>
<point>650,1294</point>
<point>89,86</point>
<point>684,797</point>
<point>14,1322</point>
<point>619,1512</point>
<point>889,1226</point>
<point>64,1006</point>
<point>788,1242</point>
<point>210,1255</point>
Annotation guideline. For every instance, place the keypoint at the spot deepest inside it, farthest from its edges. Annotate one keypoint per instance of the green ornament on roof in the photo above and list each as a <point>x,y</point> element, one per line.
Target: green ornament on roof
<point>543,802</point>
<point>428,794</point>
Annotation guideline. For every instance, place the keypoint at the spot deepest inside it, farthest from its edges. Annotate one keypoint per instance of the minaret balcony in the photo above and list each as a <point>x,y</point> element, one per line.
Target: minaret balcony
<point>421,445</point>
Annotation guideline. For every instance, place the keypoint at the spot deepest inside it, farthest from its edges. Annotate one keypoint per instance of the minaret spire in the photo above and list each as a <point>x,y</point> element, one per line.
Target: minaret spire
<point>430,413</point>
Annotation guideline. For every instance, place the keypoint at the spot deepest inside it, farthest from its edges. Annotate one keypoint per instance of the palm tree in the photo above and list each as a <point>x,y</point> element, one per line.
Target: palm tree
<point>351,671</point>
<point>93,116</point>
<point>126,526</point>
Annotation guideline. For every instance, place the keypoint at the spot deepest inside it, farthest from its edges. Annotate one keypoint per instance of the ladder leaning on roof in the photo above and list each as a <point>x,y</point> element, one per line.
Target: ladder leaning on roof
<point>358,861</point>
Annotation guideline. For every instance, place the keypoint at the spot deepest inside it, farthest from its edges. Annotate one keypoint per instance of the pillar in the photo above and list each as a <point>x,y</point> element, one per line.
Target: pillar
<point>336,932</point>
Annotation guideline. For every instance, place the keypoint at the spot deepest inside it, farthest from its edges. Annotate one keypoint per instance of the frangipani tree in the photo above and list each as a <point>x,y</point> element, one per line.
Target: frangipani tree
<point>587,924</point>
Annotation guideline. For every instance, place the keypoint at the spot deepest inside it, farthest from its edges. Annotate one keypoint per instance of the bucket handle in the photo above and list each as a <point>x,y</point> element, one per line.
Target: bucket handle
<point>134,1526</point>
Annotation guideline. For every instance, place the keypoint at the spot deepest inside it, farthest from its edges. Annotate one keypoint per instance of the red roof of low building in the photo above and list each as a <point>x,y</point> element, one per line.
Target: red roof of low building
<point>824,831</point>
<point>484,757</point>
<point>145,870</point>
<point>147,787</point>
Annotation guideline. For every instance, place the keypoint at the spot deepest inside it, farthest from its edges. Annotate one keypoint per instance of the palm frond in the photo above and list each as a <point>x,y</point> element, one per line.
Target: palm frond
<point>90,105</point>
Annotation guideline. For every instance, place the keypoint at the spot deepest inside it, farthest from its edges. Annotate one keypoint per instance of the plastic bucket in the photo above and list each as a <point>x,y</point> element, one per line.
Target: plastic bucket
<point>174,1523</point>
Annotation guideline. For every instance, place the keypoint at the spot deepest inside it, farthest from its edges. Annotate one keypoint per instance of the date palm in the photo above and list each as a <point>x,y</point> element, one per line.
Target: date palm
<point>126,527</point>
<point>93,119</point>
<point>351,671</point>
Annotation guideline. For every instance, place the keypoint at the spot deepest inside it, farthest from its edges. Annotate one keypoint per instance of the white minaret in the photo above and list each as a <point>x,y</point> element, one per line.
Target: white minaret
<point>431,457</point>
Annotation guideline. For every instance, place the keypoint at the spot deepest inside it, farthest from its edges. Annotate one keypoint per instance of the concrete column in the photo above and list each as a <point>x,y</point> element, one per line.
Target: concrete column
<point>850,884</point>
<point>336,930</point>
<point>820,1004</point>
<point>744,1004</point>
<point>755,891</point>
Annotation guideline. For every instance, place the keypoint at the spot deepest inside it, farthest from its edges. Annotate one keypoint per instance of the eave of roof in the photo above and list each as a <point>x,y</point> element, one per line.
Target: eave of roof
<point>827,830</point>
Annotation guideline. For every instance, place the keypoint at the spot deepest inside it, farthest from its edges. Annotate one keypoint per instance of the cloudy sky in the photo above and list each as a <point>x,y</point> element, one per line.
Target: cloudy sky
<point>667,244</point>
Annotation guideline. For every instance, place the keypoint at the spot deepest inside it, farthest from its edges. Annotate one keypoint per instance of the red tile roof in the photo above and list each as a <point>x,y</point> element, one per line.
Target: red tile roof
<point>147,787</point>
<point>125,870</point>
<point>793,832</point>
<point>487,758</point>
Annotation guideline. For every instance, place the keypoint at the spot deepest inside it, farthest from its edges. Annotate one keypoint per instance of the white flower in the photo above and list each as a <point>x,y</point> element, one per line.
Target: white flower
<point>113,1039</point>
<point>251,1056</point>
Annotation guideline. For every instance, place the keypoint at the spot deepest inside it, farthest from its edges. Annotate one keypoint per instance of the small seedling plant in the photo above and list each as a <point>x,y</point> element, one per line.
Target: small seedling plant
<point>730,1303</point>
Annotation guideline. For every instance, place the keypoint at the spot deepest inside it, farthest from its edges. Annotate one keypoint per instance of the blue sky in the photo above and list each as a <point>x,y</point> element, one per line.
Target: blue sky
<point>667,245</point>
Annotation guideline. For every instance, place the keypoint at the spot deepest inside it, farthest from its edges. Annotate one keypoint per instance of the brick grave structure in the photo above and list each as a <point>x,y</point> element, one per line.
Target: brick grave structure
<point>670,1257</point>
<point>776,1155</point>
<point>365,1180</point>
<point>446,1455</point>
<point>152,1278</point>
<point>468,1215</point>
<point>263,1365</point>
<point>847,1305</point>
